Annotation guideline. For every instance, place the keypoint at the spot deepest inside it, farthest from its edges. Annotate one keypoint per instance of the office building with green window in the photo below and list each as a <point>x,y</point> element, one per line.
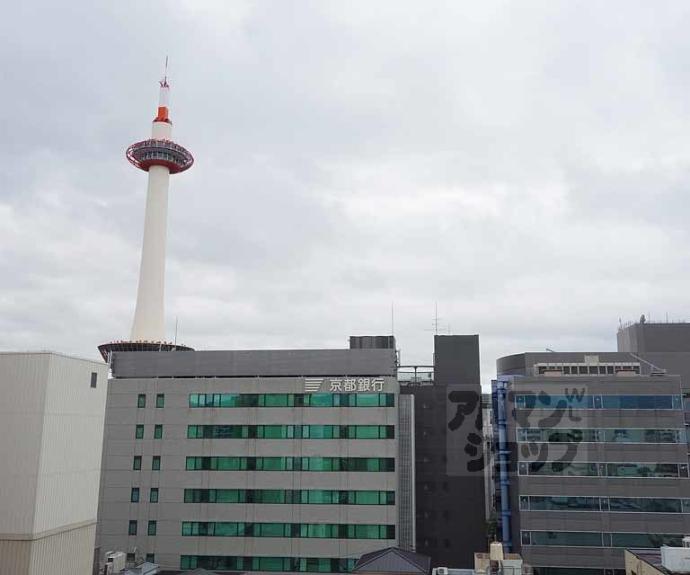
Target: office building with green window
<point>270,461</point>
<point>590,457</point>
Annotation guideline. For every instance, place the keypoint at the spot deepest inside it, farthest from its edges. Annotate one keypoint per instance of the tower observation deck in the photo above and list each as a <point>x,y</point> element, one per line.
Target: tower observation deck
<point>160,157</point>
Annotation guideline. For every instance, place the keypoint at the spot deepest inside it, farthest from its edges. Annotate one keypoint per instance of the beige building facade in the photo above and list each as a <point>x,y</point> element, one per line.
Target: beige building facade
<point>52,411</point>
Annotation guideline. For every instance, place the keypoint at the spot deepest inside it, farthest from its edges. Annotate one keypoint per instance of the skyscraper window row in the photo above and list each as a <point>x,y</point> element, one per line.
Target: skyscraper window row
<point>608,504</point>
<point>291,431</point>
<point>287,564</point>
<point>290,530</point>
<point>582,469</point>
<point>236,463</point>
<point>228,400</point>
<point>600,539</point>
<point>604,435</point>
<point>544,400</point>
<point>290,496</point>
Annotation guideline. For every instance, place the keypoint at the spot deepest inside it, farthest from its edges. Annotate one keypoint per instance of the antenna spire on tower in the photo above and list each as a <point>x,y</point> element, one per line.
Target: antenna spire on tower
<point>165,73</point>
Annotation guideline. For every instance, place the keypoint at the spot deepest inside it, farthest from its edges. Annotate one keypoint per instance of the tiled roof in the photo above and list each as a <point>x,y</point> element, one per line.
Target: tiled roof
<point>393,560</point>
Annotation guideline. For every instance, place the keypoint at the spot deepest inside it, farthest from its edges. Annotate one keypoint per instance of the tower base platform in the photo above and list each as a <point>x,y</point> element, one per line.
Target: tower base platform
<point>107,348</point>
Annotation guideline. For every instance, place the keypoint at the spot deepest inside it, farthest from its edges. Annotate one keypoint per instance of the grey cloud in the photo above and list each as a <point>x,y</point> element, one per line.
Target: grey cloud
<point>525,166</point>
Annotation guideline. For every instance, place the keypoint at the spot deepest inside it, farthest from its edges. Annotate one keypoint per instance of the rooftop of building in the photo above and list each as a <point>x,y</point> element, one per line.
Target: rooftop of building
<point>651,557</point>
<point>670,560</point>
<point>255,363</point>
<point>51,352</point>
<point>393,560</point>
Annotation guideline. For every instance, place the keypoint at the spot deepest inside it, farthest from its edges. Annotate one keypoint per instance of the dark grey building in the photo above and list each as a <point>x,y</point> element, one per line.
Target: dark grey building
<point>449,466</point>
<point>268,461</point>
<point>591,451</point>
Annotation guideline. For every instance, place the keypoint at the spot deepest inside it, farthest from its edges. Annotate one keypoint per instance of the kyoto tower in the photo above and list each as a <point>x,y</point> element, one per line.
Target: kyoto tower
<point>160,157</point>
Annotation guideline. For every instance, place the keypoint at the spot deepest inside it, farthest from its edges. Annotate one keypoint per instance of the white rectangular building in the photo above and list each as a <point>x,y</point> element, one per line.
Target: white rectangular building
<point>52,409</point>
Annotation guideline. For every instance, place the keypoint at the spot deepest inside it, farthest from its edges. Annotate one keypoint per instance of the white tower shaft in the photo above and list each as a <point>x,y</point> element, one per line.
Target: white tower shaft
<point>160,157</point>
<point>149,317</point>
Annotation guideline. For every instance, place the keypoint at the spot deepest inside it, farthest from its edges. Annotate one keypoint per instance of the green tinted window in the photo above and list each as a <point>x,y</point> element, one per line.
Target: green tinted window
<point>562,468</point>
<point>152,527</point>
<point>153,495</point>
<point>272,463</point>
<point>271,530</point>
<point>273,431</point>
<point>297,530</point>
<point>132,530</point>
<point>291,463</point>
<point>141,400</point>
<point>320,399</point>
<point>275,400</point>
<point>230,400</point>
<point>645,505</point>
<point>367,400</point>
<point>226,463</point>
<point>139,432</point>
<point>270,564</point>
<point>158,432</point>
<point>290,400</point>
<point>320,431</point>
<point>366,497</point>
<point>134,497</point>
<point>554,503</point>
<point>567,538</point>
<point>271,496</point>
<point>642,470</point>
<point>289,564</point>
<point>160,400</point>
<point>156,463</point>
<point>322,497</point>
<point>136,465</point>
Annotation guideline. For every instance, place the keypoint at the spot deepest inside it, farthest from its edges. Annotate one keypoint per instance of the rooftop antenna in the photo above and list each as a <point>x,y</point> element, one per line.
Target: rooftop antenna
<point>435,318</point>
<point>176,322</point>
<point>165,74</point>
<point>392,318</point>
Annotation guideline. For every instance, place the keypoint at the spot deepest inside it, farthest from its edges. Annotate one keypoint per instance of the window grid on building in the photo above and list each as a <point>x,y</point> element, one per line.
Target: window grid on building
<point>231,463</point>
<point>290,496</point>
<point>291,400</point>
<point>291,431</point>
<point>288,564</point>
<point>290,530</point>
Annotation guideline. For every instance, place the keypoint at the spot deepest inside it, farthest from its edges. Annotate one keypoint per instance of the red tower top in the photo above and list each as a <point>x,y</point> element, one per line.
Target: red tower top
<point>159,151</point>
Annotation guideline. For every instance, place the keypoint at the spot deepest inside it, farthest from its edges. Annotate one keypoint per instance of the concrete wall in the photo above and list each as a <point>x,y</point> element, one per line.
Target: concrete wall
<point>67,552</point>
<point>51,430</point>
<point>653,337</point>
<point>267,363</point>
<point>449,488</point>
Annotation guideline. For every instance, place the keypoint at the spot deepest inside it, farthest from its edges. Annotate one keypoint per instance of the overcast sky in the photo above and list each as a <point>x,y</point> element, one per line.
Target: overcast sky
<point>526,165</point>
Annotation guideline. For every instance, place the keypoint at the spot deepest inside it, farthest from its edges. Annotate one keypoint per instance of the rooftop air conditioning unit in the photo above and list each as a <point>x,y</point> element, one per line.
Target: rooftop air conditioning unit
<point>439,571</point>
<point>118,560</point>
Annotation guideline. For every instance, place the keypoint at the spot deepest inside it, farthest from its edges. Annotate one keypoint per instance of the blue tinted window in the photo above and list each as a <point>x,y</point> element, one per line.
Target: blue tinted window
<point>567,538</point>
<point>538,503</point>
<point>644,505</point>
<point>638,402</point>
<point>544,400</point>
